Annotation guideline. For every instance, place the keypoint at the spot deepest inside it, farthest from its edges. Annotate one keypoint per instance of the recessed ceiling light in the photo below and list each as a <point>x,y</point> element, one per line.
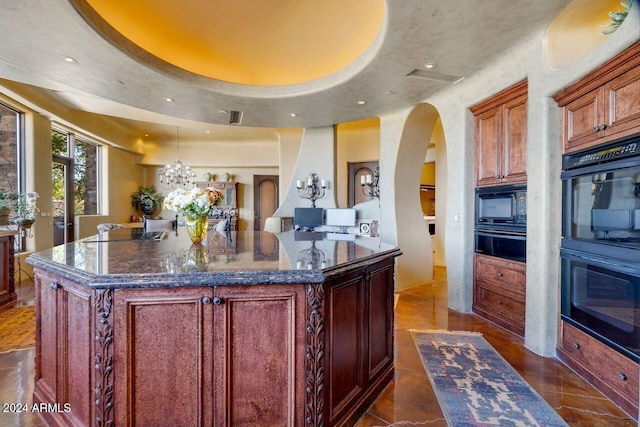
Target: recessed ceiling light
<point>388,92</point>
<point>223,112</point>
<point>294,114</point>
<point>430,65</point>
<point>69,59</point>
<point>361,102</point>
<point>208,132</point>
<point>118,82</point>
<point>169,99</point>
<point>146,134</point>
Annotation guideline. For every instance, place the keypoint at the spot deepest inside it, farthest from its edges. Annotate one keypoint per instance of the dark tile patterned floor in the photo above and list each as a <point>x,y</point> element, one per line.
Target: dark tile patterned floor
<point>409,399</point>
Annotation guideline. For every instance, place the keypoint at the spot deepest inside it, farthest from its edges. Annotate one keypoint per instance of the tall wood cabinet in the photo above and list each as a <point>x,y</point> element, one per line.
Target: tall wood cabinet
<point>603,105</point>
<point>501,136</point>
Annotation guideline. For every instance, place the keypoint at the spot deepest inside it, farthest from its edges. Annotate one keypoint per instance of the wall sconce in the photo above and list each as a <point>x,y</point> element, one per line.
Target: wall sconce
<point>310,189</point>
<point>370,184</point>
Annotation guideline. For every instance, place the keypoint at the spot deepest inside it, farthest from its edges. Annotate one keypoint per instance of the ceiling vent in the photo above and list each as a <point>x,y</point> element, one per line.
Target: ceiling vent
<point>434,75</point>
<point>235,117</point>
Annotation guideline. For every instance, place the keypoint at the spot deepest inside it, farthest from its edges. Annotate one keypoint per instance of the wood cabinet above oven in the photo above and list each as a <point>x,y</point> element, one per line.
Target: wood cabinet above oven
<point>500,124</point>
<point>603,105</point>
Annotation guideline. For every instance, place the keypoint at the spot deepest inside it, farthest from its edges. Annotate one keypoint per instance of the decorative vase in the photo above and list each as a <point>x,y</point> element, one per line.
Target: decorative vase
<point>196,259</point>
<point>197,227</point>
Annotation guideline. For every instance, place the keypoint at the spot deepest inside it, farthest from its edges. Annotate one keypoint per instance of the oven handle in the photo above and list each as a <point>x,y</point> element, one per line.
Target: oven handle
<point>504,234</point>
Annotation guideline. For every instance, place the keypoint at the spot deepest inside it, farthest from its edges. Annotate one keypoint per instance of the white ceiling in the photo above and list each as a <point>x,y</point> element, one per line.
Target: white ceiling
<point>118,79</point>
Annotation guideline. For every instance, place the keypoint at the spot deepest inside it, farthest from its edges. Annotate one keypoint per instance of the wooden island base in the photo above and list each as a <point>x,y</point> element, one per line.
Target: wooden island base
<point>306,354</point>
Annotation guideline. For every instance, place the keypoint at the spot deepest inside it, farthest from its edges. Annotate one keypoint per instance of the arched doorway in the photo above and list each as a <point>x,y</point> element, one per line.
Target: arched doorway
<point>416,265</point>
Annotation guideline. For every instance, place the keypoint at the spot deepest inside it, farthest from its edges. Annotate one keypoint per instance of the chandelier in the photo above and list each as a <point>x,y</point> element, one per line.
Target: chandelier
<point>177,175</point>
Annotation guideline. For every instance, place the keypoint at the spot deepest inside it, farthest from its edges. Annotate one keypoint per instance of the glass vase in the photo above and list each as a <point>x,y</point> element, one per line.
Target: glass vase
<point>197,227</point>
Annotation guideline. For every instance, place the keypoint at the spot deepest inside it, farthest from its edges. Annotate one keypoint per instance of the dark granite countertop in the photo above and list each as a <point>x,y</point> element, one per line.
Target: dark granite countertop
<point>127,258</point>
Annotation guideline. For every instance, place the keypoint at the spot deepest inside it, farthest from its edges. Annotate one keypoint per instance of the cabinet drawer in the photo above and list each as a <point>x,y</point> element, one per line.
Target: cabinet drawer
<point>503,304</point>
<point>510,273</point>
<point>617,371</point>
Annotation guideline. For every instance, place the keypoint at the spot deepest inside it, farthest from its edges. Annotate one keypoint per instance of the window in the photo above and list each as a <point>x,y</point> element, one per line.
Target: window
<point>83,155</point>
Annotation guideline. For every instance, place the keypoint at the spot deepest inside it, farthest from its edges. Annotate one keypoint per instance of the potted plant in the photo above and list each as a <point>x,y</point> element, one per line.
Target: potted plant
<point>5,207</point>
<point>25,209</point>
<point>146,200</point>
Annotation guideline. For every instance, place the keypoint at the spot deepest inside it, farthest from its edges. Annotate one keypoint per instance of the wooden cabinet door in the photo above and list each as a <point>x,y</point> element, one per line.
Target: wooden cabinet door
<point>514,148</point>
<point>163,356</point>
<point>259,342</point>
<point>623,101</point>
<point>345,337</point>
<point>487,140</point>
<point>46,381</point>
<point>583,118</point>
<point>63,349</point>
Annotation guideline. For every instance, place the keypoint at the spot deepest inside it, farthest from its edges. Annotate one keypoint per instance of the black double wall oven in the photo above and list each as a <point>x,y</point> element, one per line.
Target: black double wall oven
<point>600,250</point>
<point>501,221</point>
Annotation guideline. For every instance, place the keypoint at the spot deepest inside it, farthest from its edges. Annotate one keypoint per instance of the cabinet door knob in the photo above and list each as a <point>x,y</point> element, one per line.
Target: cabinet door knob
<point>54,285</point>
<point>596,128</point>
<point>500,274</point>
<point>499,302</point>
<point>602,126</point>
<point>217,300</point>
<point>206,300</point>
<point>622,377</point>
<point>576,345</point>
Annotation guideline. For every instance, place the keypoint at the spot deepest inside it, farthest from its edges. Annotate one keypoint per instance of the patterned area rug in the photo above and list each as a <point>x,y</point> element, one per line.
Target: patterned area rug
<point>17,328</point>
<point>475,386</point>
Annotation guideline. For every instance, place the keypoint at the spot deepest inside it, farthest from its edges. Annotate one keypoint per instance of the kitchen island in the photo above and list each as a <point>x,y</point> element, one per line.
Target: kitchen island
<point>247,329</point>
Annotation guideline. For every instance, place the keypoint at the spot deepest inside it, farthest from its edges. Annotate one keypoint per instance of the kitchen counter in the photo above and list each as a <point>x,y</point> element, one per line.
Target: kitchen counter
<point>246,329</point>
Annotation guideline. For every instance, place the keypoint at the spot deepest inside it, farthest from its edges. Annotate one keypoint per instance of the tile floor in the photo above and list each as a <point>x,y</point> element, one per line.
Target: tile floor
<point>409,400</point>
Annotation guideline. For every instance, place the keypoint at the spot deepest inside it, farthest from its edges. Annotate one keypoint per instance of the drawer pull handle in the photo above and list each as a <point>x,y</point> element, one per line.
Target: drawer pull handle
<point>622,377</point>
<point>217,300</point>
<point>576,345</point>
<point>206,300</point>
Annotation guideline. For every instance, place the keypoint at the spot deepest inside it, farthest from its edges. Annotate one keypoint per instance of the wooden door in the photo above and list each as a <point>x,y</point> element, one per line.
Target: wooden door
<point>265,198</point>
<point>354,189</point>
<point>487,140</point>
<point>514,147</point>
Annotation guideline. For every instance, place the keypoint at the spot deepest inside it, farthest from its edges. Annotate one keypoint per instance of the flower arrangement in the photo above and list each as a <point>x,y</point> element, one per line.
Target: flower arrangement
<point>193,203</point>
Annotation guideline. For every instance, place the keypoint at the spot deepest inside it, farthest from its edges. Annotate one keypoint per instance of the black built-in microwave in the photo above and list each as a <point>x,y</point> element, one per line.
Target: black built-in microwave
<point>502,208</point>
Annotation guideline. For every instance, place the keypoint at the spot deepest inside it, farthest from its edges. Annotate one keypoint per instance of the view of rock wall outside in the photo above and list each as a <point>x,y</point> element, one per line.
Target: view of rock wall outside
<point>8,149</point>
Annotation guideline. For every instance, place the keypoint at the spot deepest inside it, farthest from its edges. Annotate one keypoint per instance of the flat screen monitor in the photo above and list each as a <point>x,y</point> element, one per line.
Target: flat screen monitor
<point>307,218</point>
<point>342,218</point>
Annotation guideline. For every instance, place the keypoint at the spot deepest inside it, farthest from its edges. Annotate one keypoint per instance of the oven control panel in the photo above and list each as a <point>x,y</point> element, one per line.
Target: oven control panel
<point>601,155</point>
